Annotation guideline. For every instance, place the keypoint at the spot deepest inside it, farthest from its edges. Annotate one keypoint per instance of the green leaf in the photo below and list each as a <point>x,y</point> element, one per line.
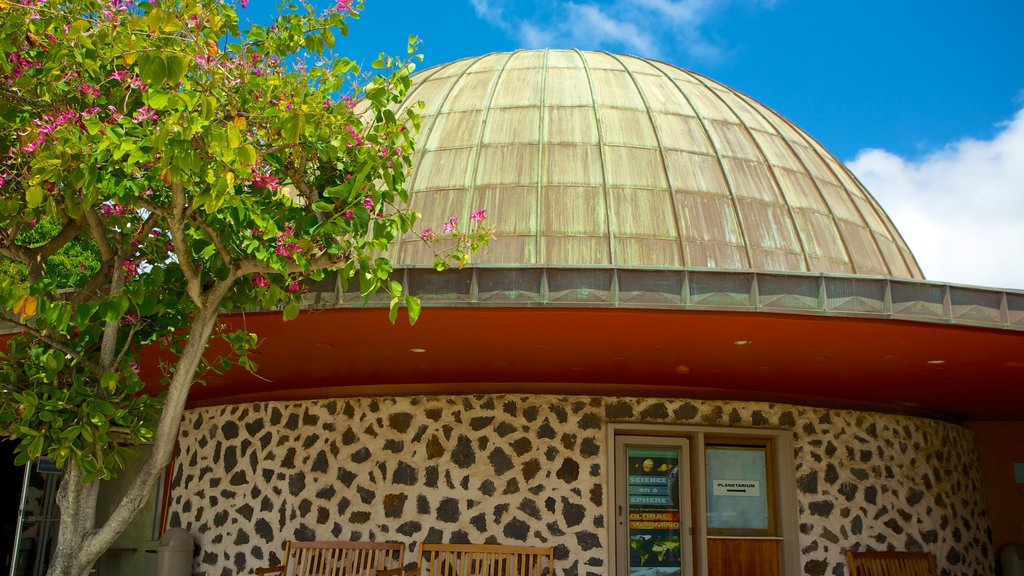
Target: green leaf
<point>34,196</point>
<point>157,99</point>
<point>77,28</point>
<point>291,311</point>
<point>209,107</point>
<point>109,381</point>
<point>413,304</point>
<point>176,66</point>
<point>114,308</point>
<point>393,311</point>
<point>234,136</point>
<point>35,449</point>
<point>291,127</point>
<point>246,155</point>
<point>152,69</point>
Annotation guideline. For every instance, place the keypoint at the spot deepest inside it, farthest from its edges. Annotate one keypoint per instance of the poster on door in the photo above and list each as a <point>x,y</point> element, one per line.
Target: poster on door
<point>653,496</point>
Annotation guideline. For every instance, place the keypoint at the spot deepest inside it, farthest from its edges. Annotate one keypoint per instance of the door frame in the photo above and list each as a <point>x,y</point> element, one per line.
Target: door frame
<point>785,489</point>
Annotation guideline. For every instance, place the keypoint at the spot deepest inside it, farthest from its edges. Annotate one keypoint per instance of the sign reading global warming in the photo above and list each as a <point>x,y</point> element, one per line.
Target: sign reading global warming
<point>653,488</point>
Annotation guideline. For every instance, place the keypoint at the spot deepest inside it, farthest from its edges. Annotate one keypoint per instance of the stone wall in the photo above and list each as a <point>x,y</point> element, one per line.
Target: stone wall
<point>534,470</point>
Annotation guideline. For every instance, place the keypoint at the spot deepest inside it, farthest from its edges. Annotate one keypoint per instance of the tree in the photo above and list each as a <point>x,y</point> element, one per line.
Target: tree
<point>162,165</point>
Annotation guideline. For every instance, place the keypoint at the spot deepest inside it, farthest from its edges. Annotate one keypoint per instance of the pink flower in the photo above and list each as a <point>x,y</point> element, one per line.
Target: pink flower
<point>293,287</point>
<point>348,214</point>
<point>260,281</point>
<point>427,235</point>
<point>266,181</point>
<point>357,139</point>
<point>449,226</point>
<point>130,268</point>
<point>136,82</point>
<point>114,114</point>
<point>89,89</point>
<point>345,6</point>
<point>244,4</point>
<point>478,215</point>
<point>285,246</point>
<point>108,209</point>
<point>368,203</point>
<point>118,75</point>
<point>145,113</point>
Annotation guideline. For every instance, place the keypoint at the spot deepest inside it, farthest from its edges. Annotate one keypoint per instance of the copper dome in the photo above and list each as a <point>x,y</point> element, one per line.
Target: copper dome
<point>590,159</point>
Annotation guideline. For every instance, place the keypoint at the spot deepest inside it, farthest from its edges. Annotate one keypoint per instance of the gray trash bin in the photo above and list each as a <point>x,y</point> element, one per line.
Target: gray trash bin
<point>1011,560</point>
<point>174,553</point>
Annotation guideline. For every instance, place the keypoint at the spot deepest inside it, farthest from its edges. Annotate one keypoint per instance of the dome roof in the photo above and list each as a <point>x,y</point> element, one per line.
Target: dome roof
<point>589,159</point>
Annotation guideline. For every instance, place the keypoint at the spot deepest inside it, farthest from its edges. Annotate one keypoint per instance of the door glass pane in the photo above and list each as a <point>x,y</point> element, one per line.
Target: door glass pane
<point>654,511</point>
<point>40,517</point>
<point>737,481</point>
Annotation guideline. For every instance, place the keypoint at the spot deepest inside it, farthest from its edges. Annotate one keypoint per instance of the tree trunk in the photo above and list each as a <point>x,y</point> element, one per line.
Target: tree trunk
<point>80,543</point>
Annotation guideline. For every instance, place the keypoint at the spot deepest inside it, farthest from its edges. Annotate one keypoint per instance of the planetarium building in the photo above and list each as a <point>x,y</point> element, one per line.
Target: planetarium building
<point>697,346</point>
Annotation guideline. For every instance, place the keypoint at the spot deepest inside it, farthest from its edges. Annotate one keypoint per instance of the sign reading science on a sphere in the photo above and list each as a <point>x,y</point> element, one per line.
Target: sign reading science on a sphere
<point>653,488</point>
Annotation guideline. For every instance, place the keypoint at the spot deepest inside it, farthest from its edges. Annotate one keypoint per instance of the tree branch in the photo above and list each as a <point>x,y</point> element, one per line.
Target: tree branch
<point>98,235</point>
<point>91,290</point>
<point>108,344</point>
<point>278,148</point>
<point>56,345</point>
<point>176,222</point>
<point>297,176</point>
<point>127,344</point>
<point>321,262</point>
<point>35,257</point>
<point>222,249</point>
<point>167,428</point>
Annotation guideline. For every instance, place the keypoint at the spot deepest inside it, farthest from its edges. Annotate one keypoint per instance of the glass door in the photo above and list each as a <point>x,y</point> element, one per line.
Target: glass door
<point>38,519</point>
<point>652,506</point>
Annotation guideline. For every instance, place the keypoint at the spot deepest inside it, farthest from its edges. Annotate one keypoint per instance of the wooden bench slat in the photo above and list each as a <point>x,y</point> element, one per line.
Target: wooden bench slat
<point>337,558</point>
<point>891,563</point>
<point>480,560</point>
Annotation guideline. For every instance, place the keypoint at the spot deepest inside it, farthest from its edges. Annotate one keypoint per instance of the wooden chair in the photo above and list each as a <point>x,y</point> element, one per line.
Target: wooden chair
<point>479,560</point>
<point>337,558</point>
<point>891,564</point>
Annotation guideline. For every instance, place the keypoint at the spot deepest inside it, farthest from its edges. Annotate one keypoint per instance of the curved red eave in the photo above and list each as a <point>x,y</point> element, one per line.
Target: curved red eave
<point>950,371</point>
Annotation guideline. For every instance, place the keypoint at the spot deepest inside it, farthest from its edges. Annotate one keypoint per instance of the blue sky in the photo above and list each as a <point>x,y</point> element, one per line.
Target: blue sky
<point>922,99</point>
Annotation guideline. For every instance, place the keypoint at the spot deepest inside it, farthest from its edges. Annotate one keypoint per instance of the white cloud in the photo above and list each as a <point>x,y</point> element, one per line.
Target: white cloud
<point>589,24</point>
<point>643,27</point>
<point>961,208</point>
<point>492,11</point>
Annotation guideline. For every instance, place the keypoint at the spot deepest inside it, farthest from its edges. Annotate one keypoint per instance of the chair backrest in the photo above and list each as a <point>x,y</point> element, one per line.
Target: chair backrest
<point>891,564</point>
<point>485,560</point>
<point>341,558</point>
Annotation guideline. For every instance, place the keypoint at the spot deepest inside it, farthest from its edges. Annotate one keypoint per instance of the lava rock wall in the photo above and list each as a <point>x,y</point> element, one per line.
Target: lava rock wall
<point>533,470</point>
